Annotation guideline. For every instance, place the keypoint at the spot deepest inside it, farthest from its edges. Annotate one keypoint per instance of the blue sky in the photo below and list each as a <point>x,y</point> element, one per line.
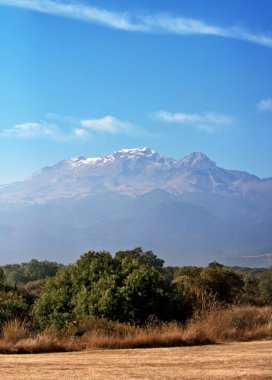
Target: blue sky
<point>85,78</point>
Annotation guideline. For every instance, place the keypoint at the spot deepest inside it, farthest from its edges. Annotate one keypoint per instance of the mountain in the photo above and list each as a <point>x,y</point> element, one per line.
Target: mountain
<point>132,172</point>
<point>189,211</point>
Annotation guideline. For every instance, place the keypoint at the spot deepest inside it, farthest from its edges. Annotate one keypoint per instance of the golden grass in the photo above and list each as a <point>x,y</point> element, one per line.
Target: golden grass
<point>14,330</point>
<point>162,335</point>
<point>211,326</point>
<point>246,360</point>
<point>232,324</point>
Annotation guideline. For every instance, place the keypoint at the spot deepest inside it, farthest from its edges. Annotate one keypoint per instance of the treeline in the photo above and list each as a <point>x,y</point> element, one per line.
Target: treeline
<point>21,285</point>
<point>130,287</point>
<point>26,272</point>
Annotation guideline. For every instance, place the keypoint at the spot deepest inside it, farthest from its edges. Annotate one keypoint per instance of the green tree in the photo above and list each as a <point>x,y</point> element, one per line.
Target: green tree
<point>12,305</point>
<point>1,279</point>
<point>224,283</point>
<point>55,307</point>
<point>251,290</point>
<point>147,258</point>
<point>202,287</point>
<point>26,272</point>
<point>127,288</point>
<point>265,286</point>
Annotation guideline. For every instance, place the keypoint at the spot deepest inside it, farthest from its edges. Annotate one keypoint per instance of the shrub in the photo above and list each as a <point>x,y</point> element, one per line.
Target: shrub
<point>12,306</point>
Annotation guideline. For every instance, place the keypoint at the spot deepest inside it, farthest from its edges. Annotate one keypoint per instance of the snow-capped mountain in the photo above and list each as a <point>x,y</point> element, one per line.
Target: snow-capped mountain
<point>188,211</point>
<point>132,172</point>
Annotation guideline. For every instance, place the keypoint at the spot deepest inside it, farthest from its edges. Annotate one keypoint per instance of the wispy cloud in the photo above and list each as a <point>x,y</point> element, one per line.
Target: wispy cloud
<point>45,130</point>
<point>32,129</point>
<point>63,128</point>
<point>109,124</point>
<point>149,23</point>
<point>209,122</point>
<point>81,133</point>
<point>265,105</point>
<point>79,11</point>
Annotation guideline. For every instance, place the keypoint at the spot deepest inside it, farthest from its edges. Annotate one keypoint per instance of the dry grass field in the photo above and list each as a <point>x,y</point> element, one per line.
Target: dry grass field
<point>247,360</point>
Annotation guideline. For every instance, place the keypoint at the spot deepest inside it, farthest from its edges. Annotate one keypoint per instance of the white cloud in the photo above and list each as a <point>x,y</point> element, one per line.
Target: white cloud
<point>175,117</point>
<point>76,10</point>
<point>78,129</point>
<point>32,129</point>
<point>217,118</point>
<point>81,133</point>
<point>109,124</point>
<point>208,122</point>
<point>152,23</point>
<point>265,105</point>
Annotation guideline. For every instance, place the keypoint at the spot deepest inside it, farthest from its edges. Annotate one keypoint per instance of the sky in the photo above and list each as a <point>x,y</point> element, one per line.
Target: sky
<point>86,78</point>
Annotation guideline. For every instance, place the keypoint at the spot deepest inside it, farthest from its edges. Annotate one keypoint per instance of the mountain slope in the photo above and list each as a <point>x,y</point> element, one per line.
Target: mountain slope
<point>188,211</point>
<point>132,172</point>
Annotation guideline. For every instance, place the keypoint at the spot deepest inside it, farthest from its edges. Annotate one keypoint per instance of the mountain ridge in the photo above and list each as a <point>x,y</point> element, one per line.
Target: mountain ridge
<point>132,172</point>
<point>188,211</point>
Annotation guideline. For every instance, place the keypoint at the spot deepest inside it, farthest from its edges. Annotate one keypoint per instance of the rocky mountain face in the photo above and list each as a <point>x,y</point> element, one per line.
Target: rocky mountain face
<point>132,172</point>
<point>188,211</point>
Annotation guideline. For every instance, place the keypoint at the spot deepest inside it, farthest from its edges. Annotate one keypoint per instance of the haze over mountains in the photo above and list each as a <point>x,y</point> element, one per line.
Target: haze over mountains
<point>188,211</point>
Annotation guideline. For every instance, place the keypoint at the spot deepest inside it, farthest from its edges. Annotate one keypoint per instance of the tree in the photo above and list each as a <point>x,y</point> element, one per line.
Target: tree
<point>251,290</point>
<point>13,304</point>
<point>224,283</point>
<point>201,287</point>
<point>143,292</point>
<point>1,279</point>
<point>147,258</point>
<point>265,286</point>
<point>55,305</point>
<point>126,288</point>
<point>26,272</point>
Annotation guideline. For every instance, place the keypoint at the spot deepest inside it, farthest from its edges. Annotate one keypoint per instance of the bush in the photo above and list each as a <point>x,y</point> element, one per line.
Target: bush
<point>12,306</point>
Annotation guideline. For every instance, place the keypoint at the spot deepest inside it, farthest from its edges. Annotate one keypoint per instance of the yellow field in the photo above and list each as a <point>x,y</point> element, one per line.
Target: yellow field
<point>251,360</point>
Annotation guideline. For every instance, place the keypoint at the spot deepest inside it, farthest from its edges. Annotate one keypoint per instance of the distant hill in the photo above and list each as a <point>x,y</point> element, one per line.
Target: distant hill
<point>188,211</point>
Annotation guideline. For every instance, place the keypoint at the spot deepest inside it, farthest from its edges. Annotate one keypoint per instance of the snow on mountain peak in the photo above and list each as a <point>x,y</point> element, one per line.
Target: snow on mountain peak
<point>142,151</point>
<point>80,161</point>
<point>132,172</point>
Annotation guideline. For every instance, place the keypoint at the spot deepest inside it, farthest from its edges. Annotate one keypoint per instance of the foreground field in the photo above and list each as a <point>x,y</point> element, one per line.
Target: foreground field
<point>250,360</point>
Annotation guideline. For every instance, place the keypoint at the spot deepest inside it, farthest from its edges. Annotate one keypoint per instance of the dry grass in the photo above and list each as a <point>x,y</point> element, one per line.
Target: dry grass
<point>16,338</point>
<point>213,326</point>
<point>158,335</point>
<point>14,330</point>
<point>232,324</point>
<point>246,360</point>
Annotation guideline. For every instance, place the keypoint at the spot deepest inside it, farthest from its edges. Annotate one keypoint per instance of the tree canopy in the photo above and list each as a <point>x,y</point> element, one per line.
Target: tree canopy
<point>128,288</point>
<point>25,272</point>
